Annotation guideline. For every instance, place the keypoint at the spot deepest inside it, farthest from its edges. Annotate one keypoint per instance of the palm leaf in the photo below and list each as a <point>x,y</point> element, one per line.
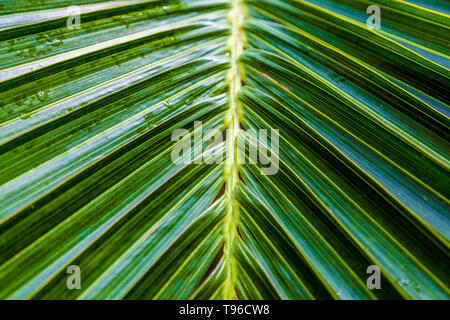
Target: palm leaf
<point>87,177</point>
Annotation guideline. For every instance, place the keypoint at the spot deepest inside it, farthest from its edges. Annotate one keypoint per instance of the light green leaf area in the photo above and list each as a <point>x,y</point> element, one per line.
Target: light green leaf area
<point>87,175</point>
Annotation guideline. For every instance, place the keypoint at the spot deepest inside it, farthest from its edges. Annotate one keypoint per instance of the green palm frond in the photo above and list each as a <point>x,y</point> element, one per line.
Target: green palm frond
<point>87,177</point>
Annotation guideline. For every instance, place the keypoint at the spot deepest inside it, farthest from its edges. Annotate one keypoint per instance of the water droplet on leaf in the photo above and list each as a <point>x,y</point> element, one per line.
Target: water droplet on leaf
<point>42,95</point>
<point>403,282</point>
